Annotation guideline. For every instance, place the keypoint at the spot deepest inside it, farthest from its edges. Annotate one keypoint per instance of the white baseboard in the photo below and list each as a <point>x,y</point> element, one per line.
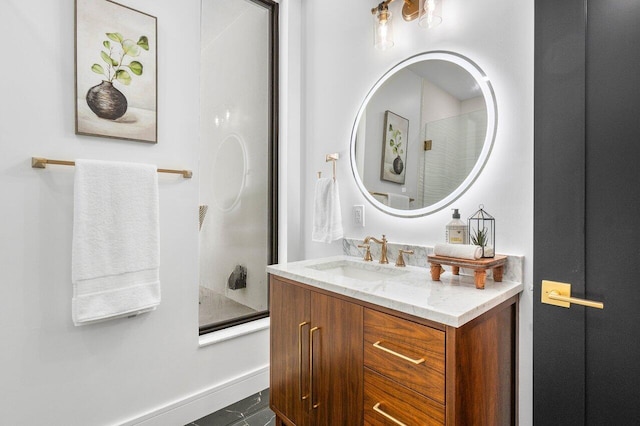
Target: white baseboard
<point>206,402</point>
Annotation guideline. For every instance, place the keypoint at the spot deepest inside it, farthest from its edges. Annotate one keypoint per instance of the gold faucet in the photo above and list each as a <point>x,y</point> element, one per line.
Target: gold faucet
<point>400,261</point>
<point>367,253</point>
<point>383,249</point>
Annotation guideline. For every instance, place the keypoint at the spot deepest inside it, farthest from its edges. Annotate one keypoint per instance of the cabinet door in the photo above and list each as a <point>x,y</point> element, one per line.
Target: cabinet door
<point>337,367</point>
<point>290,325</point>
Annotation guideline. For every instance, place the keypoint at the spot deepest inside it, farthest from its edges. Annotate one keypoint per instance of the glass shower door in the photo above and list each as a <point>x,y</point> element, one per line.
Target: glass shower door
<point>238,173</point>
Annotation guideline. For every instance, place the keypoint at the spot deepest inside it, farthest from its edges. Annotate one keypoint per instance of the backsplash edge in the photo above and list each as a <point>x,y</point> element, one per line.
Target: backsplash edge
<point>513,271</point>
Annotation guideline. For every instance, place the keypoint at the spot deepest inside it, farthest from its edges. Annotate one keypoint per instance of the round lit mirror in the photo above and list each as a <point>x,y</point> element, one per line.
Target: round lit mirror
<point>423,134</point>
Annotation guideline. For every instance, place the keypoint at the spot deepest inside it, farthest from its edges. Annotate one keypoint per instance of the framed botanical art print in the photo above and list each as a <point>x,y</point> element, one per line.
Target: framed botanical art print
<point>116,71</point>
<point>394,148</point>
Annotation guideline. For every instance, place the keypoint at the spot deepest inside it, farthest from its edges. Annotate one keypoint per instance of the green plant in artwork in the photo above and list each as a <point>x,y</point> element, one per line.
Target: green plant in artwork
<point>480,237</point>
<point>117,49</point>
<point>395,140</point>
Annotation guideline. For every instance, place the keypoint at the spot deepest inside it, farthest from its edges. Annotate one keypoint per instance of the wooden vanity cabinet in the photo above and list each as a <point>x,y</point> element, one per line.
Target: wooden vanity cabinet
<point>290,317</point>
<point>404,371</point>
<point>423,373</point>
<point>372,364</point>
<point>316,357</point>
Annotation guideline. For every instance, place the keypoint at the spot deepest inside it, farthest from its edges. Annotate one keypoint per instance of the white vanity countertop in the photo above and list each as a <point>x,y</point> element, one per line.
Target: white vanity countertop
<point>452,301</point>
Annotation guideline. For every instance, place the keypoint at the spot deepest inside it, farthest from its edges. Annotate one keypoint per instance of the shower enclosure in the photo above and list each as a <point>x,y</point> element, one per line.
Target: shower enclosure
<point>238,163</point>
<point>456,145</point>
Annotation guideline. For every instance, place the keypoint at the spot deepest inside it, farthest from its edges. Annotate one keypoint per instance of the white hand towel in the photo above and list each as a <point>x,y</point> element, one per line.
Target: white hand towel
<point>398,201</point>
<point>116,244</point>
<point>461,251</point>
<point>327,217</point>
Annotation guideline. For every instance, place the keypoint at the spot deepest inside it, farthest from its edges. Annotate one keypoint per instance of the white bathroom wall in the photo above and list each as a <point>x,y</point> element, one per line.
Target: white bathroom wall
<point>147,369</point>
<point>340,65</point>
<point>438,104</point>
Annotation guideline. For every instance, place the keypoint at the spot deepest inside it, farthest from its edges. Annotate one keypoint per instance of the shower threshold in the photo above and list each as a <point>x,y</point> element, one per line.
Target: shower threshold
<point>215,307</point>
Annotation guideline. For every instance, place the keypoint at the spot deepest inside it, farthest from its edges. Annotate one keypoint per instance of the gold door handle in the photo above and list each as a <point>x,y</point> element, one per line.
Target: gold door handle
<point>559,294</point>
<point>302,324</point>
<point>377,409</point>
<point>406,358</point>
<point>313,330</point>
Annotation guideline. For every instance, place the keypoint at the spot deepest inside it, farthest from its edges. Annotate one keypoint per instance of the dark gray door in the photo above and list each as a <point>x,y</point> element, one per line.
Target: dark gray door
<point>587,211</point>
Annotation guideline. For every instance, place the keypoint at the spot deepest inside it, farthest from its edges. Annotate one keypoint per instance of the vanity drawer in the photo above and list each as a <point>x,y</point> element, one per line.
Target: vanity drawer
<point>409,353</point>
<point>384,397</point>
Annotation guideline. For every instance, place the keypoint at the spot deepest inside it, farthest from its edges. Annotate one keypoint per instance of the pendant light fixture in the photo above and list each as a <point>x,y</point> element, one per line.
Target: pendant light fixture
<point>382,26</point>
<point>428,13</point>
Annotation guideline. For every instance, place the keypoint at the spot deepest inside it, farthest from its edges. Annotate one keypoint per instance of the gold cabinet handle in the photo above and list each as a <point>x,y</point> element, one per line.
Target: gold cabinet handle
<point>559,294</point>
<point>302,324</point>
<point>406,358</point>
<point>313,330</point>
<point>377,409</point>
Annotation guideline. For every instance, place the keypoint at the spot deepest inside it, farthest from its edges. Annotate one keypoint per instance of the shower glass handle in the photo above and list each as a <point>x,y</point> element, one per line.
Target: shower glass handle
<point>300,326</point>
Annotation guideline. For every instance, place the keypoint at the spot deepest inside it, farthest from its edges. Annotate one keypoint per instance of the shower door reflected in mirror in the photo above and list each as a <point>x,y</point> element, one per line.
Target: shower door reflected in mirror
<point>238,160</point>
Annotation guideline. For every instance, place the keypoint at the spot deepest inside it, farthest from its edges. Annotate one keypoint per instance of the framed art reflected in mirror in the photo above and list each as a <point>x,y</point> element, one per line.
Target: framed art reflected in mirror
<point>394,148</point>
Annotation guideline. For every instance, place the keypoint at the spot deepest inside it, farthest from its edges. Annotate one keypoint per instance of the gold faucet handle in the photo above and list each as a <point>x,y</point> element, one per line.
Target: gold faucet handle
<point>367,254</point>
<point>400,260</point>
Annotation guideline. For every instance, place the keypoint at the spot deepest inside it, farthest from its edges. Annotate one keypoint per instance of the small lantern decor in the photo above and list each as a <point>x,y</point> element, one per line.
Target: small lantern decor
<point>482,231</point>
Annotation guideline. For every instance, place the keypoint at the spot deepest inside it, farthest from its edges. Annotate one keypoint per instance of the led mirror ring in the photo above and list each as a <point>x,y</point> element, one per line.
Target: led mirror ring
<point>492,121</point>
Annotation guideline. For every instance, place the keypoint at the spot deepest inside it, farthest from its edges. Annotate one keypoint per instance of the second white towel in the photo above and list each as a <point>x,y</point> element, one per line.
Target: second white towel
<point>115,248</point>
<point>327,217</point>
<point>398,201</point>
<point>461,251</point>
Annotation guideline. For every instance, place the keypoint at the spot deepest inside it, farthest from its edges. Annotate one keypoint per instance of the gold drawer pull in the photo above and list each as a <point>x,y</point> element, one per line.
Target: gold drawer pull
<point>377,409</point>
<point>302,324</point>
<point>406,358</point>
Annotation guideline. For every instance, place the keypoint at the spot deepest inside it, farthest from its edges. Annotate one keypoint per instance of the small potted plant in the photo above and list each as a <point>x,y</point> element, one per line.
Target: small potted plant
<point>479,237</point>
<point>104,99</point>
<point>482,231</point>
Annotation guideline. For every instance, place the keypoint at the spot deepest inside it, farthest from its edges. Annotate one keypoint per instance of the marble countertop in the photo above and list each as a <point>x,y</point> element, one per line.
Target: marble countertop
<point>452,301</point>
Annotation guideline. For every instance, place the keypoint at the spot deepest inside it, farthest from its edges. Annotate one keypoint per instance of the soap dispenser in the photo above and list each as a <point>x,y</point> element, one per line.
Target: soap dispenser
<point>457,230</point>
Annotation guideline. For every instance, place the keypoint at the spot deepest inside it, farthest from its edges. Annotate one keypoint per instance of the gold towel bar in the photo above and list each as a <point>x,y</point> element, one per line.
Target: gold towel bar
<point>41,163</point>
<point>382,194</point>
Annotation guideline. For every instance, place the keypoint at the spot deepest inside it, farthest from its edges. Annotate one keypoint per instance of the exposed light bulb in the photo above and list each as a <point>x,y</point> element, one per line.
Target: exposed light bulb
<point>430,13</point>
<point>383,30</point>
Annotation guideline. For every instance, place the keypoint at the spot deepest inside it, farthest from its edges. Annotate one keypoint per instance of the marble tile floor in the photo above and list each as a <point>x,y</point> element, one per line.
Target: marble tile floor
<point>251,411</point>
<point>215,307</point>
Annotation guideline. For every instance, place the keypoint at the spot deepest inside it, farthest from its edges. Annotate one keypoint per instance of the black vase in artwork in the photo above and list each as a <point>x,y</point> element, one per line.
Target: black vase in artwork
<point>398,165</point>
<point>106,101</point>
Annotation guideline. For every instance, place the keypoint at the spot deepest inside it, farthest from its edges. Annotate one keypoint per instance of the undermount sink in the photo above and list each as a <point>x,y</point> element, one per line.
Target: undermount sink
<point>358,270</point>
